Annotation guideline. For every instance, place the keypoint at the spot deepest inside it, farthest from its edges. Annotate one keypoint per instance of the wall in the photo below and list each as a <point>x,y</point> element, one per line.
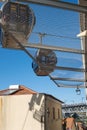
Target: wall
<point>53,114</point>
<point>23,112</point>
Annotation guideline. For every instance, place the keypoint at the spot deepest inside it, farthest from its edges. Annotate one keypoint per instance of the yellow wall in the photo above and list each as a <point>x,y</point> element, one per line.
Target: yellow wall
<point>21,112</point>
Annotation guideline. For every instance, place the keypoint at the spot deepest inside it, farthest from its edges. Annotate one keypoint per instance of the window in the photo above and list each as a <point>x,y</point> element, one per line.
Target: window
<point>53,113</point>
<point>58,113</point>
<point>48,112</point>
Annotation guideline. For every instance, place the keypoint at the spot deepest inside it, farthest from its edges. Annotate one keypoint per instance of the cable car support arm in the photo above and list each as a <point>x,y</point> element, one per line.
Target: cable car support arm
<point>59,4</point>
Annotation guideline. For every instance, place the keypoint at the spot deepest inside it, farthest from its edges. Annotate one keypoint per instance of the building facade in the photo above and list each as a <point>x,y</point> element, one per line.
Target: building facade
<point>29,110</point>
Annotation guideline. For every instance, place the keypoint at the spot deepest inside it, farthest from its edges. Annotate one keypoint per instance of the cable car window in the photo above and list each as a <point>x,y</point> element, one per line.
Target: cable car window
<point>22,14</point>
<point>43,60</point>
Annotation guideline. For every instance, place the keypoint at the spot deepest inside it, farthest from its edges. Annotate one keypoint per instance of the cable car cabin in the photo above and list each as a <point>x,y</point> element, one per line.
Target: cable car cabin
<point>45,62</point>
<point>18,19</point>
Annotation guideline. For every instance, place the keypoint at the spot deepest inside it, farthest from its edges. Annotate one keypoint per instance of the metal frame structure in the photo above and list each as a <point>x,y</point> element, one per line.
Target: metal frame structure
<point>80,109</point>
<point>72,7</point>
<point>68,6</point>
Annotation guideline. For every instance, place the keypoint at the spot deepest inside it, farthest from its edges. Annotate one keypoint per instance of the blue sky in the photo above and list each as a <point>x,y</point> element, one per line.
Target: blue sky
<point>15,65</point>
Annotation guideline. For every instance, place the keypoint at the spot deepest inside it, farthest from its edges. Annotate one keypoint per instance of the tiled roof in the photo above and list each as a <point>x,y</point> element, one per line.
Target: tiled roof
<point>17,91</point>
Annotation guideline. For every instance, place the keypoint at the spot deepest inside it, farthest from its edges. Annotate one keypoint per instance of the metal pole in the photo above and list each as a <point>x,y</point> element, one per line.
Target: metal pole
<point>58,4</point>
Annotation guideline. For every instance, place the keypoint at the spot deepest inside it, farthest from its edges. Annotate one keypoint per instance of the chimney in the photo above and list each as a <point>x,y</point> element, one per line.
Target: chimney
<point>14,86</point>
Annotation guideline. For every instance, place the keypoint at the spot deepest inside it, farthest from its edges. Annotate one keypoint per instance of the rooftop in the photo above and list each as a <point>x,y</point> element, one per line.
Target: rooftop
<point>17,90</point>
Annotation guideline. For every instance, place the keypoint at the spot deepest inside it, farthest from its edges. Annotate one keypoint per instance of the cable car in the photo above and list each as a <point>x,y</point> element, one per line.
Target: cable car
<point>18,19</point>
<point>45,62</point>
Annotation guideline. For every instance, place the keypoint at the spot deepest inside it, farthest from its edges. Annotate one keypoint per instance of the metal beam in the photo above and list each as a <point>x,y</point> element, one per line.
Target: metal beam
<point>71,86</point>
<point>67,85</point>
<point>59,4</point>
<point>83,27</point>
<point>55,48</point>
<point>68,79</point>
<point>66,68</point>
<point>70,69</point>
